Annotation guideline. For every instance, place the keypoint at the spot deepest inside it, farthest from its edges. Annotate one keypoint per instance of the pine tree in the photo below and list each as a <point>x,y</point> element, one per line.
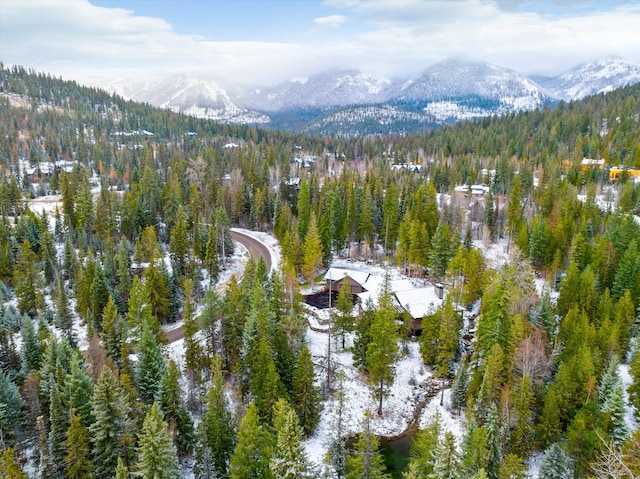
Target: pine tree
<point>194,354</point>
<point>27,281</point>
<point>365,462</point>
<point>10,466</point>
<point>11,410</point>
<point>446,462</point>
<point>382,351</point>
<point>513,467</point>
<point>423,445</point>
<point>475,449</point>
<point>112,331</point>
<point>337,453</point>
<point>555,464</point>
<point>111,426</point>
<point>179,244</point>
<point>150,367</point>
<point>494,443</point>
<point>312,251</point>
<point>216,427</point>
<point>252,454</point>
<point>175,412</point>
<point>158,288</point>
<point>157,455</point>
<point>211,259</point>
<point>459,388</point>
<point>77,459</point>
<point>30,352</point>
<point>289,460</point>
<point>305,394</point>
<point>304,209</point>
<point>58,424</point>
<point>64,320</point>
<point>612,403</point>
<point>79,390</point>
<point>122,471</point>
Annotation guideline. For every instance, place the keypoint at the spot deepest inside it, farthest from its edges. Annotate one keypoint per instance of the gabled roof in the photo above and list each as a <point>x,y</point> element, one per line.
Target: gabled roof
<point>418,301</point>
<point>336,274</point>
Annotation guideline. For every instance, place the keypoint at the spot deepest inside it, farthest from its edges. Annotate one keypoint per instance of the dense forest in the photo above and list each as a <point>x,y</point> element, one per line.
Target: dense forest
<point>148,198</point>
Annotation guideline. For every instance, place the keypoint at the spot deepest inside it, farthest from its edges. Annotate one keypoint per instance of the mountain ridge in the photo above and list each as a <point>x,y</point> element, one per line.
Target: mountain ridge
<point>446,92</point>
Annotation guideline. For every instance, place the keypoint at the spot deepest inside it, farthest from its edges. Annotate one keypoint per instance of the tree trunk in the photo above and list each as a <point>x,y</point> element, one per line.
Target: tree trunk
<point>381,394</point>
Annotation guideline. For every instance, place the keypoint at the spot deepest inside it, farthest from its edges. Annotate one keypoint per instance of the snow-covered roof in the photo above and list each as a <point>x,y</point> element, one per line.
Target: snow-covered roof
<point>336,274</point>
<point>418,301</point>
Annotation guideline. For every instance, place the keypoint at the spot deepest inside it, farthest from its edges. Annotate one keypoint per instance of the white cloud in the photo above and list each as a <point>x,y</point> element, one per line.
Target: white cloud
<point>399,37</point>
<point>332,21</point>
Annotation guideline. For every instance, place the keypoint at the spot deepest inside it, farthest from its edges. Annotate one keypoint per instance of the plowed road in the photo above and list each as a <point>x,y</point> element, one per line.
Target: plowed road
<point>256,249</point>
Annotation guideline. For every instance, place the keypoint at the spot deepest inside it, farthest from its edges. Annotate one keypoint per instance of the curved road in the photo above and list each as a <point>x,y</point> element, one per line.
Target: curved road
<point>256,249</point>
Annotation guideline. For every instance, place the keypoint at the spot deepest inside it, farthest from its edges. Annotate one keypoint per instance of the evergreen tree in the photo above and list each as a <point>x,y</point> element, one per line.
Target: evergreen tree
<point>79,390</point>
<point>122,471</point>
<point>211,260</point>
<point>612,403</point>
<point>58,424</point>
<point>179,244</point>
<point>28,282</point>
<point>11,410</point>
<point>77,459</point>
<point>512,467</point>
<point>157,455</point>
<point>337,453</point>
<point>30,352</point>
<point>382,351</point>
<point>108,432</point>
<point>10,466</point>
<point>459,388</point>
<point>175,412</point>
<point>158,288</point>
<point>443,248</point>
<point>446,463</point>
<point>555,464</point>
<point>423,446</point>
<point>64,320</point>
<point>112,331</point>
<point>194,354</point>
<point>475,449</point>
<point>150,367</point>
<point>252,454</point>
<point>312,251</point>
<point>216,428</point>
<point>288,461</point>
<point>305,394</point>
<point>365,462</point>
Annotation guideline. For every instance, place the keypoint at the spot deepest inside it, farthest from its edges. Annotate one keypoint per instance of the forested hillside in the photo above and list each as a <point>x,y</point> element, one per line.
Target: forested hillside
<point>540,350</point>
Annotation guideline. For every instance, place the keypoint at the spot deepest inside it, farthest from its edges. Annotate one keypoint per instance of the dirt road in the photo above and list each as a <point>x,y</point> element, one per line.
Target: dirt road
<point>256,249</point>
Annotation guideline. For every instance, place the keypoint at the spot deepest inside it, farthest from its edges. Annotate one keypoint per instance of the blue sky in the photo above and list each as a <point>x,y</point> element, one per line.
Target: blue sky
<point>259,43</point>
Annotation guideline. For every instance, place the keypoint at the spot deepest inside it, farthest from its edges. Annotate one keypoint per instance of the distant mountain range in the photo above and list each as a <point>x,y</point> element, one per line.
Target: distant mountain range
<point>356,103</point>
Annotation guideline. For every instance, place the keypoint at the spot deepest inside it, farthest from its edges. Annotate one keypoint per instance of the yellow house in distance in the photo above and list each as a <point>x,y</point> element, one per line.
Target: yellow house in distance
<point>616,172</point>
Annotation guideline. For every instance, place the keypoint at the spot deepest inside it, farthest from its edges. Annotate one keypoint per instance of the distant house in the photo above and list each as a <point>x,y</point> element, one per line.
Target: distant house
<point>589,163</point>
<point>419,302</point>
<point>336,276</point>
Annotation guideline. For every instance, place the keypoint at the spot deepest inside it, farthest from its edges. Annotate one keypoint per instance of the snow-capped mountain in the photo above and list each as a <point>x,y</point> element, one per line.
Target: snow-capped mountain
<point>325,90</point>
<point>471,88</point>
<point>592,78</point>
<point>189,95</point>
<point>356,101</point>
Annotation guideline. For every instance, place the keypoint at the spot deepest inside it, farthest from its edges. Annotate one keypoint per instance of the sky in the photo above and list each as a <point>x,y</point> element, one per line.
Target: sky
<point>261,42</point>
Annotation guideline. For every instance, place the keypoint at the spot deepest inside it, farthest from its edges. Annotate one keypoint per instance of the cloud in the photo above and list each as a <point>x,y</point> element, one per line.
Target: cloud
<point>395,38</point>
<point>332,21</point>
